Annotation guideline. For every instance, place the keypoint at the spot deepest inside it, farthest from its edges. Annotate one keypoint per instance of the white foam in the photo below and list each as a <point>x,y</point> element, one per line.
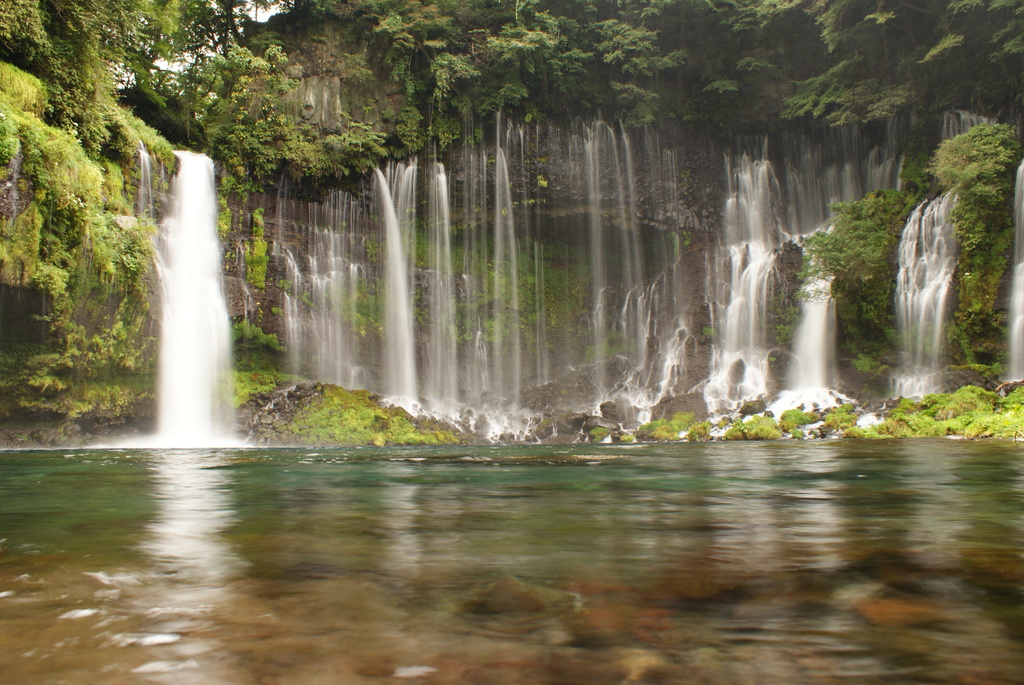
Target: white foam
<point>166,666</point>
<point>145,639</point>
<point>413,671</point>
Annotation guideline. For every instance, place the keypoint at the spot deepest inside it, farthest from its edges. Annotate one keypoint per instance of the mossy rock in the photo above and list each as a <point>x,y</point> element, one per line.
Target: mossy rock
<point>755,428</point>
<point>325,414</point>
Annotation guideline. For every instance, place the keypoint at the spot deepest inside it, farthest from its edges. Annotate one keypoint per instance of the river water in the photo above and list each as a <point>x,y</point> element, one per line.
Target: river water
<point>843,561</point>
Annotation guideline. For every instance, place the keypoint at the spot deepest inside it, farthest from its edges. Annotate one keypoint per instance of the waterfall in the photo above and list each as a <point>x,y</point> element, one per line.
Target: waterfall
<point>616,266</point>
<point>927,260</point>
<point>739,364</point>
<point>558,265</point>
<point>1017,297</point>
<point>195,356</point>
<point>839,168</point>
<point>144,195</point>
<point>811,376</point>
<point>442,386</point>
<point>320,303</point>
<point>506,373</point>
<point>397,204</point>
<point>958,122</point>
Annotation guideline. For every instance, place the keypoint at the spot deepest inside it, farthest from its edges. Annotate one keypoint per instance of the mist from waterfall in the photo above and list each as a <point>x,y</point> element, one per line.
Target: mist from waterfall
<point>927,260</point>
<point>195,354</point>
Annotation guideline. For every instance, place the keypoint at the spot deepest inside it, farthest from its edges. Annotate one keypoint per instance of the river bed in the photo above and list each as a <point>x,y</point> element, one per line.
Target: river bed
<point>839,561</point>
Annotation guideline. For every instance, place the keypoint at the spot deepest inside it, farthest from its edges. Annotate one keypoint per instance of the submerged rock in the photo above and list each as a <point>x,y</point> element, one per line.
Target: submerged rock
<point>513,596</point>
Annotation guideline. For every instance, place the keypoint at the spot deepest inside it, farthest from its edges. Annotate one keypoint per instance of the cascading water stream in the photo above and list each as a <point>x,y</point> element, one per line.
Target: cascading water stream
<point>761,213</point>
<point>739,366</point>
<point>1017,298</point>
<point>320,303</point>
<point>506,372</point>
<point>442,382</point>
<point>927,259</point>
<point>195,354</point>
<point>144,208</point>
<point>396,201</point>
<point>811,378</point>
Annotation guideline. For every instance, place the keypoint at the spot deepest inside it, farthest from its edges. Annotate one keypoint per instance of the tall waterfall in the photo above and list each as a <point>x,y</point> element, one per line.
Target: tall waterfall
<point>927,259</point>
<point>442,386</point>
<point>397,205</point>
<point>194,377</point>
<point>739,366</point>
<point>1017,298</point>
<point>507,360</point>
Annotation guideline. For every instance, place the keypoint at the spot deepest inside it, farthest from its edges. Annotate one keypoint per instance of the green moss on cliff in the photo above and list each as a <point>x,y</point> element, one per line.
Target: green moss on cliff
<point>75,243</point>
<point>977,167</point>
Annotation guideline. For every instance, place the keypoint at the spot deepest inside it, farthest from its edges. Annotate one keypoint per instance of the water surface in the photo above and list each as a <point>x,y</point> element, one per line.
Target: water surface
<point>846,561</point>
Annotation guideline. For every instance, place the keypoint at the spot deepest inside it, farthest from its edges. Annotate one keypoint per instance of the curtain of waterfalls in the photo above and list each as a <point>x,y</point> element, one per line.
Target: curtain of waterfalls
<point>320,300</point>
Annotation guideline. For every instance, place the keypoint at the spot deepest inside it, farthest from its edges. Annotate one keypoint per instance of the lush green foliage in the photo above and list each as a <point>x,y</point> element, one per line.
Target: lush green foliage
<point>857,257</point>
<point>977,167</point>
<point>663,430</point>
<point>840,418</point>
<point>970,412</point>
<point>793,418</point>
<point>74,243</point>
<point>754,428</point>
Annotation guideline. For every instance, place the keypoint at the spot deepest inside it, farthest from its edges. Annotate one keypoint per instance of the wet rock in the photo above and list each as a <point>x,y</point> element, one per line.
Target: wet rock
<point>593,422</point>
<point>570,424</point>
<point>545,429</point>
<point>513,596</point>
<point>692,403</point>
<point>959,377</point>
<point>893,611</point>
<point>613,411</point>
<point>753,407</point>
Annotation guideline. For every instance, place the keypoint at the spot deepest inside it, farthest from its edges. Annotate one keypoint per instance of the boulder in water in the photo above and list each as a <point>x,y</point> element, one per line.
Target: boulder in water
<point>690,403</point>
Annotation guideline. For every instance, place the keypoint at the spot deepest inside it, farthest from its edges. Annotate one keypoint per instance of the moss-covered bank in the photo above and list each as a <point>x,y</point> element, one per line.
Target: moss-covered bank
<point>322,414</point>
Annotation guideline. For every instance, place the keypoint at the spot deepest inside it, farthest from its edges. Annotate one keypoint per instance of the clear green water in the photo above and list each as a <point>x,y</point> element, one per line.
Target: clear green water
<point>852,562</point>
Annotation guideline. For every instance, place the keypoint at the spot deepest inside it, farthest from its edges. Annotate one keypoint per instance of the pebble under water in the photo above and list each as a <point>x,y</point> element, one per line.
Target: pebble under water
<point>832,562</point>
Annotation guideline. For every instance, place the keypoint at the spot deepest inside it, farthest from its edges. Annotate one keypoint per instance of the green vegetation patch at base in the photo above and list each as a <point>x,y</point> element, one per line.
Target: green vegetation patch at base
<point>352,417</point>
